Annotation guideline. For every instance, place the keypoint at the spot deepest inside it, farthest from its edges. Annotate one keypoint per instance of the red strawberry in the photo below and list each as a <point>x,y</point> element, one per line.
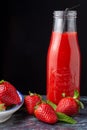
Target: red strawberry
<point>2,106</point>
<point>45,113</point>
<point>69,105</point>
<point>31,101</point>
<point>8,93</point>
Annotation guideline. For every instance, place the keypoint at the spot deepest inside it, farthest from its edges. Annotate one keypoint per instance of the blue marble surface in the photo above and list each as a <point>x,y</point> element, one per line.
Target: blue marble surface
<point>22,121</point>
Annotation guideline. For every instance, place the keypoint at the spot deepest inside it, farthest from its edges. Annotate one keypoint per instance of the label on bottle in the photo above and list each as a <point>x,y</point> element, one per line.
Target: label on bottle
<point>62,80</point>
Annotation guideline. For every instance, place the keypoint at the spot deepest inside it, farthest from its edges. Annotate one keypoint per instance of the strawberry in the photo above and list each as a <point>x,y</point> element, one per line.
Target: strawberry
<point>8,93</point>
<point>70,105</point>
<point>45,113</point>
<point>2,106</point>
<point>31,101</point>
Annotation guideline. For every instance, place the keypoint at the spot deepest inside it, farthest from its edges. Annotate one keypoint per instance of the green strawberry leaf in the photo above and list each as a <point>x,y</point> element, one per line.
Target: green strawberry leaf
<point>32,94</point>
<point>65,118</point>
<point>54,106</point>
<point>76,94</point>
<point>80,104</point>
<point>61,116</point>
<point>1,81</point>
<point>2,107</point>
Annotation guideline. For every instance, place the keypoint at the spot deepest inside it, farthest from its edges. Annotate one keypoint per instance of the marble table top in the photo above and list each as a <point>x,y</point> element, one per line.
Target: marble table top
<point>22,121</point>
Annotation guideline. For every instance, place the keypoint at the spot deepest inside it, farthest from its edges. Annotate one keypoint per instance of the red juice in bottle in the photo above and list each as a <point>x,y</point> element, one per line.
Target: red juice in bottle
<point>63,63</point>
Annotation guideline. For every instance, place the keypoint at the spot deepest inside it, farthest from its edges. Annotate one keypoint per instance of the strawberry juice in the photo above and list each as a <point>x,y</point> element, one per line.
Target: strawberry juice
<point>63,65</point>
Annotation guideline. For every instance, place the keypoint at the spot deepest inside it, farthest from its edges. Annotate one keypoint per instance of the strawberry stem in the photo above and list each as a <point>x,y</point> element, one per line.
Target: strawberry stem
<point>63,94</point>
<point>31,94</point>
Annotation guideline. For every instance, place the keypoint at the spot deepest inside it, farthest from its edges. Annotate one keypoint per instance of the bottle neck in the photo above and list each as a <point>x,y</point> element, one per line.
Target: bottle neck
<point>64,24</point>
<point>71,25</point>
<point>58,25</point>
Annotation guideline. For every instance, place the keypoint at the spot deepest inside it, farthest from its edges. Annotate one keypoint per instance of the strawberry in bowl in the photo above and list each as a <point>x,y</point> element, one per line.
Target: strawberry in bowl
<point>10,100</point>
<point>8,93</point>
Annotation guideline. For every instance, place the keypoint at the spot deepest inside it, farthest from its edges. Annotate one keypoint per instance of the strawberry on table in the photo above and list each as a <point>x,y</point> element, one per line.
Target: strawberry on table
<point>31,101</point>
<point>44,110</point>
<point>45,113</point>
<point>70,105</point>
<point>8,93</point>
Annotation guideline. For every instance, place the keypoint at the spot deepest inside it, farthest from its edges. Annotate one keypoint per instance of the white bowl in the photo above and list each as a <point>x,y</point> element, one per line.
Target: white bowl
<point>5,115</point>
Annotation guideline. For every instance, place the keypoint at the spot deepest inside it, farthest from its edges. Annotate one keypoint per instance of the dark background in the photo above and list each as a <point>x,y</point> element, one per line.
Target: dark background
<point>25,34</point>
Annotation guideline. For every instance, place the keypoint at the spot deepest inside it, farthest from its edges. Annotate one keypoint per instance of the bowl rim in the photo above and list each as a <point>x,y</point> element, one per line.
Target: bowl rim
<point>16,107</point>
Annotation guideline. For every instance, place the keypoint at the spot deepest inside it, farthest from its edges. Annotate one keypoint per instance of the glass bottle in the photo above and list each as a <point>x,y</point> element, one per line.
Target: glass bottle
<point>63,57</point>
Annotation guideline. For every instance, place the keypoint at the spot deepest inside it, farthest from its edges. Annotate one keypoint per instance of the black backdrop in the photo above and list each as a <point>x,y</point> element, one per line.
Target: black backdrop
<point>25,34</point>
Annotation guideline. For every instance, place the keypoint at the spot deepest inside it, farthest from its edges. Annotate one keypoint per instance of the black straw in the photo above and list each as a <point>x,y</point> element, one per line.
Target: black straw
<point>75,6</point>
<point>64,18</point>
